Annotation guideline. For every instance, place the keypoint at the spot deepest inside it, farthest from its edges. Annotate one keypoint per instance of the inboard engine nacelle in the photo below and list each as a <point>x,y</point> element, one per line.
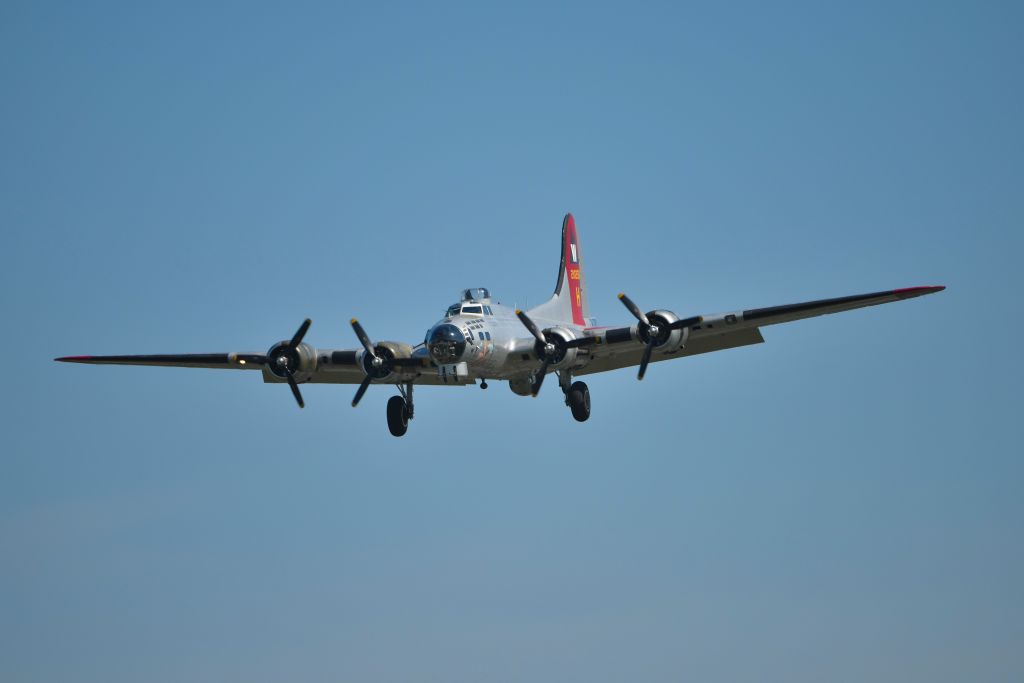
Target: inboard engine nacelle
<point>667,339</point>
<point>558,352</point>
<point>389,359</point>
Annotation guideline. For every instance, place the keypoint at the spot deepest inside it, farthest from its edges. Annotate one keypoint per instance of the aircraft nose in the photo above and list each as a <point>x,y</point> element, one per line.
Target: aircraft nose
<point>446,343</point>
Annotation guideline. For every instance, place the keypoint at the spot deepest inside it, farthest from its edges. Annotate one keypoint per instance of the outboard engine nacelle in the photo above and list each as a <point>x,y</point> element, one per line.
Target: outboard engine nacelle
<point>662,330</point>
<point>298,360</point>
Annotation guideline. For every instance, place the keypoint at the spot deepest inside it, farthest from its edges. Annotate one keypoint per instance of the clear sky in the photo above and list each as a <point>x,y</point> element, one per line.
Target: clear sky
<point>842,503</point>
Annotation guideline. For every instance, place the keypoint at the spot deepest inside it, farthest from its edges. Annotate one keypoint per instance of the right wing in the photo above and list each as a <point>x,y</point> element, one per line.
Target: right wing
<point>333,366</point>
<point>223,361</point>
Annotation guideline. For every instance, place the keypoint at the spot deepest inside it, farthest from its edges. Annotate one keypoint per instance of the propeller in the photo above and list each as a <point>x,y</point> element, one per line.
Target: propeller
<point>656,334</point>
<point>378,361</point>
<point>549,350</point>
<point>283,360</point>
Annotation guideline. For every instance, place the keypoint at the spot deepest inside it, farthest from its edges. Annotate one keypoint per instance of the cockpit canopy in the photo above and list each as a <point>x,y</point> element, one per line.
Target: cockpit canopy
<point>468,309</point>
<point>475,301</point>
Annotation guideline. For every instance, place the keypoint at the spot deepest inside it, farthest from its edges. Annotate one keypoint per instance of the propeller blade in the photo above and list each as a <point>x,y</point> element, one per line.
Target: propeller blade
<point>300,333</point>
<point>525,319</point>
<point>645,359</point>
<point>637,313</point>
<point>295,389</point>
<point>363,339</point>
<point>361,390</point>
<point>539,378</point>
<point>687,322</point>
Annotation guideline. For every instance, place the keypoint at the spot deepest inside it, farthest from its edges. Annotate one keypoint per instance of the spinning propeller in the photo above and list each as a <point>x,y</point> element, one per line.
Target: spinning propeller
<point>550,349</point>
<point>653,333</point>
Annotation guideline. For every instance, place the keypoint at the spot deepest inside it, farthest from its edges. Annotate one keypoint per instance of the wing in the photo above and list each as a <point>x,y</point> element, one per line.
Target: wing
<point>809,309</point>
<point>625,358</point>
<point>621,347</point>
<point>333,366</point>
<point>223,361</point>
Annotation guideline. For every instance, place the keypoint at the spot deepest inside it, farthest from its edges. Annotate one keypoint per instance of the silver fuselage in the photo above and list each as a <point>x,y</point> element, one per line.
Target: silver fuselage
<point>495,341</point>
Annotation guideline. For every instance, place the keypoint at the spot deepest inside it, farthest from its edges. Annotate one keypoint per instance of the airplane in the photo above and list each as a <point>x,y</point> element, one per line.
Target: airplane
<point>480,339</point>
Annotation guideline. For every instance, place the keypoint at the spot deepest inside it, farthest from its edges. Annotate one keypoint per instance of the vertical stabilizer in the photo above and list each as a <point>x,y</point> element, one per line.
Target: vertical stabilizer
<point>568,305</point>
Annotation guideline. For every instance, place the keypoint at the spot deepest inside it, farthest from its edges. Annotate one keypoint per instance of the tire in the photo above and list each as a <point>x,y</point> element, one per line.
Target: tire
<point>398,416</point>
<point>579,401</point>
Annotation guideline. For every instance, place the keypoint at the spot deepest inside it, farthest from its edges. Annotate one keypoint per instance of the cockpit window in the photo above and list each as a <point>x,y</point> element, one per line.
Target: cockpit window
<point>478,310</point>
<point>453,310</point>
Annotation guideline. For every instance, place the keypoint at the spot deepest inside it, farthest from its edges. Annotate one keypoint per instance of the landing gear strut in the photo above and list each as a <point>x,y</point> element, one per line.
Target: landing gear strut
<point>400,410</point>
<point>577,396</point>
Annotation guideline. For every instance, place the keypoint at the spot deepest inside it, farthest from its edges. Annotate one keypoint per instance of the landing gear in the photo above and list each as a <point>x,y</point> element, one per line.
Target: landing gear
<point>578,399</point>
<point>398,416</point>
<point>400,410</point>
<point>483,383</point>
<point>577,396</point>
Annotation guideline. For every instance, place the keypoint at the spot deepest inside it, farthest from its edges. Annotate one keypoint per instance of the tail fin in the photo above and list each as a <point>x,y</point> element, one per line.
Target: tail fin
<point>568,305</point>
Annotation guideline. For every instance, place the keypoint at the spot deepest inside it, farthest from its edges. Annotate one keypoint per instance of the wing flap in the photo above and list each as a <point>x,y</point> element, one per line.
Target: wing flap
<point>696,345</point>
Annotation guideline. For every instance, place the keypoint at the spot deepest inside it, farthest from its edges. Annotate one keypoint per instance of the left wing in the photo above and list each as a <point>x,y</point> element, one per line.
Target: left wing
<point>624,347</point>
<point>809,309</point>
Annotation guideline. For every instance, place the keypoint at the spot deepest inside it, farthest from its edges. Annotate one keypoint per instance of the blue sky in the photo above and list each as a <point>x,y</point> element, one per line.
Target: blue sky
<point>842,502</point>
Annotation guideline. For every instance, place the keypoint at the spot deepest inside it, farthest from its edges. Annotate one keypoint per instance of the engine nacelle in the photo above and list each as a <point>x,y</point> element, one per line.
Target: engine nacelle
<point>667,340</point>
<point>563,357</point>
<point>300,361</point>
<point>388,352</point>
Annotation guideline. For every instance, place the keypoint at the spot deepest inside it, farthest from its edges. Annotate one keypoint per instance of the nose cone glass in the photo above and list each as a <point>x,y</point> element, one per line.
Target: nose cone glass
<point>446,343</point>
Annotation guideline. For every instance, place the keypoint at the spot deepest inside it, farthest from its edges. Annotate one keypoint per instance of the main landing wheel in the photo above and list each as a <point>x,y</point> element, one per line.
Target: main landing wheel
<point>579,401</point>
<point>398,415</point>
